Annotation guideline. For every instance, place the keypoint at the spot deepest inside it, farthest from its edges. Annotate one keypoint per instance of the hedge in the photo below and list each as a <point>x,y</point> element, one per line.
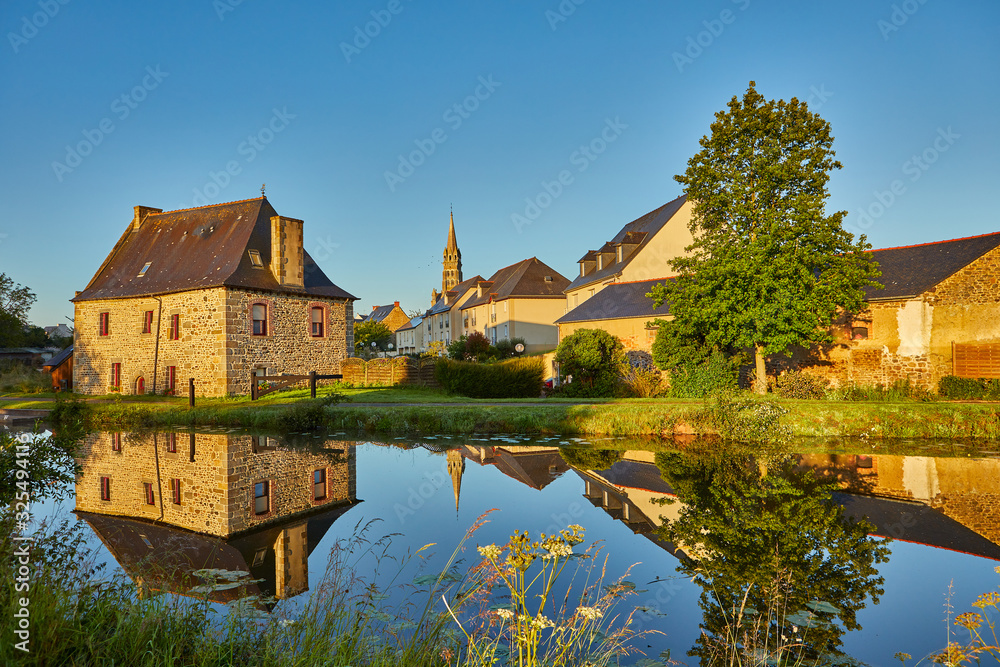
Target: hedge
<point>514,378</point>
<point>954,387</point>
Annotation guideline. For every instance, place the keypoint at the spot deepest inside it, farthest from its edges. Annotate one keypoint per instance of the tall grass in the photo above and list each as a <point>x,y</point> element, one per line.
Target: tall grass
<point>22,379</point>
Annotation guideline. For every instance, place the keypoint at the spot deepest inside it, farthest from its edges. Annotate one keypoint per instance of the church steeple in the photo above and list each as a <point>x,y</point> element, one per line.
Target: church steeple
<point>451,273</point>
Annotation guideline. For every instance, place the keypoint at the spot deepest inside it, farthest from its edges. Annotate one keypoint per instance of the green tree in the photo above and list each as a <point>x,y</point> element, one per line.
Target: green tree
<point>368,332</point>
<point>768,269</point>
<point>593,357</point>
<point>15,302</point>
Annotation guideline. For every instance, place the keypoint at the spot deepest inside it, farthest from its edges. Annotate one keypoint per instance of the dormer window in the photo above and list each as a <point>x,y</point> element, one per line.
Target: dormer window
<point>548,279</point>
<point>145,268</point>
<point>255,259</point>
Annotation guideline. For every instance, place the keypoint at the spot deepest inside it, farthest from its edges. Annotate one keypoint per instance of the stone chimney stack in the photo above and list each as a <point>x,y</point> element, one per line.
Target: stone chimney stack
<point>286,251</point>
<point>140,213</point>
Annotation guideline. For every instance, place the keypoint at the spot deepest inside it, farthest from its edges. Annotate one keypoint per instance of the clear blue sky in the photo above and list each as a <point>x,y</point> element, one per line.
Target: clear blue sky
<point>201,77</point>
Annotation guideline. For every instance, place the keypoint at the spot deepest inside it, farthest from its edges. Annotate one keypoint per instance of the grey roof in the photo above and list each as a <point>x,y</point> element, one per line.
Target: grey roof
<point>457,291</point>
<point>616,301</point>
<point>642,230</point>
<point>412,324</point>
<point>526,278</point>
<point>379,313</point>
<point>57,359</point>
<point>198,248</point>
<point>909,271</point>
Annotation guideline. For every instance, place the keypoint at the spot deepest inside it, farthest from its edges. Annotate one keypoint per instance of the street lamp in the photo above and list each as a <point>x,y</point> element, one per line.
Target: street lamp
<point>519,348</point>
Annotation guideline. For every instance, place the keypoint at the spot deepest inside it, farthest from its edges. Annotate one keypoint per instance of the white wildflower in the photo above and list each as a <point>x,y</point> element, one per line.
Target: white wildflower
<point>505,614</point>
<point>541,622</point>
<point>592,613</point>
<point>558,550</point>
<point>490,551</point>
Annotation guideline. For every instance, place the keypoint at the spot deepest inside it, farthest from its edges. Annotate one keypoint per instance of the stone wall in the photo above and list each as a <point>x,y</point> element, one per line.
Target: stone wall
<point>214,344</point>
<point>217,486</point>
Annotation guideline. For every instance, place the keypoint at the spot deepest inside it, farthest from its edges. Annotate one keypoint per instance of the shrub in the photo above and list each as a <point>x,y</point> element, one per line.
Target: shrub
<point>505,349</point>
<point>593,357</point>
<point>796,384</point>
<point>590,459</point>
<point>514,378</point>
<point>958,388</point>
<point>640,376</point>
<point>899,390</point>
<point>716,374</point>
<point>24,380</point>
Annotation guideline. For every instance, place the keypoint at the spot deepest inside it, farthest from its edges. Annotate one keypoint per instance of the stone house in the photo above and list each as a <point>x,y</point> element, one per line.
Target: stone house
<point>391,316</point>
<point>938,314</point>
<point>522,300</point>
<point>215,293</point>
<point>168,504</point>
<point>634,260</point>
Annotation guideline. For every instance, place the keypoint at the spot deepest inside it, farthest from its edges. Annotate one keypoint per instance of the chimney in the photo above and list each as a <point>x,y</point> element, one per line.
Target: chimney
<point>374,308</point>
<point>395,304</point>
<point>139,214</point>
<point>286,251</point>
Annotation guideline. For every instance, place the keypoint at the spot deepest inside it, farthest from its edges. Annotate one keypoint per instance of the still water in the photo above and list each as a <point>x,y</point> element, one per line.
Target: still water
<point>162,505</point>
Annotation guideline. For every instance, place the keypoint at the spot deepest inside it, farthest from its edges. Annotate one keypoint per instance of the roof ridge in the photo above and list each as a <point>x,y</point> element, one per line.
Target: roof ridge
<point>221,203</point>
<point>919,245</point>
<point>630,282</point>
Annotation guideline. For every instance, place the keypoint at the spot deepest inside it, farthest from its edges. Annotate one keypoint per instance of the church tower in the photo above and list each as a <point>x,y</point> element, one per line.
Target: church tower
<point>452,273</point>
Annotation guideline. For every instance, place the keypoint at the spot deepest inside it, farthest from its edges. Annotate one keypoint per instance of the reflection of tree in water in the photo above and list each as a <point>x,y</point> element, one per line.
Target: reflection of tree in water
<point>766,538</point>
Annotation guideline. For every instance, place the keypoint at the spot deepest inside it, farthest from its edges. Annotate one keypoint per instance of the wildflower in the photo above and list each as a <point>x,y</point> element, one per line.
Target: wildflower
<point>970,620</point>
<point>505,614</point>
<point>285,622</point>
<point>987,600</point>
<point>490,551</point>
<point>541,622</point>
<point>592,613</point>
<point>558,550</point>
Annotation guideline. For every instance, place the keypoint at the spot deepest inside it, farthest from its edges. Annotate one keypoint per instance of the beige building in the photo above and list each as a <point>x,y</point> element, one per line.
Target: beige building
<point>410,338</point>
<point>522,300</point>
<point>215,293</point>
<point>169,504</point>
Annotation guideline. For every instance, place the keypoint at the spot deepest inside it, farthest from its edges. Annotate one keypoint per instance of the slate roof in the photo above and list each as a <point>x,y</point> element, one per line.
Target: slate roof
<point>381,312</point>
<point>523,279</point>
<point>57,359</point>
<point>646,226</point>
<point>616,301</point>
<point>197,248</point>
<point>412,324</point>
<point>909,271</point>
<point>457,291</point>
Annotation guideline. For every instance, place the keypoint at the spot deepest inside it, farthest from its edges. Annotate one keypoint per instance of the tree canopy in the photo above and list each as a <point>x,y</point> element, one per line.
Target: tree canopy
<point>769,269</point>
<point>15,302</point>
<point>368,332</point>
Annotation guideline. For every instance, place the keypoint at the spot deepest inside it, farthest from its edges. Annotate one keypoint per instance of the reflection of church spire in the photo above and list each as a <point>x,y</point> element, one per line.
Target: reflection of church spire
<point>456,466</point>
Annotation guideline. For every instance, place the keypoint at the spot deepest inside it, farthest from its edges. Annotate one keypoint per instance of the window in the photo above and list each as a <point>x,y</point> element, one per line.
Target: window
<point>255,259</point>
<point>172,443</point>
<point>859,333</point>
<point>261,499</point>
<point>105,325</point>
<point>147,488</point>
<point>105,488</point>
<point>171,379</point>
<point>147,322</point>
<point>319,484</point>
<point>116,376</point>
<point>116,442</point>
<point>175,327</point>
<point>175,491</point>
<point>317,321</point>
<point>258,558</point>
<point>506,332</point>
<point>145,267</point>
<point>259,315</point>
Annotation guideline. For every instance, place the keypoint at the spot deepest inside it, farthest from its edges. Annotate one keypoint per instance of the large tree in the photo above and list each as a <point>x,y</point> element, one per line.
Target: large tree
<point>368,332</point>
<point>15,302</point>
<point>769,269</point>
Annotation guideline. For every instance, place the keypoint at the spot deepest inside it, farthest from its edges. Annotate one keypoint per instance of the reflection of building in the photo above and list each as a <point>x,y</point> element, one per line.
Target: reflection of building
<point>168,504</point>
<point>949,503</point>
<point>533,466</point>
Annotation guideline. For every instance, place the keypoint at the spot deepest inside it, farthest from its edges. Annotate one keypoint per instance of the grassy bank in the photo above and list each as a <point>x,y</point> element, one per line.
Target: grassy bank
<point>657,417</point>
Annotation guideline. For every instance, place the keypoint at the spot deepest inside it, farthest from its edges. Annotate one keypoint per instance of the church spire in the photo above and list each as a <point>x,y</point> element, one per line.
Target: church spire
<point>451,273</point>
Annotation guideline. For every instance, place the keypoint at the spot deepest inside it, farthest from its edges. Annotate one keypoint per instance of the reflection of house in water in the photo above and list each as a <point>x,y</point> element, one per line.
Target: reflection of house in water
<point>168,504</point>
<point>949,503</point>
<point>532,465</point>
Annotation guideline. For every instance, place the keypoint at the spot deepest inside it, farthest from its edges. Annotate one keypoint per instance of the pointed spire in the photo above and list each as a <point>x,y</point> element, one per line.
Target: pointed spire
<point>456,466</point>
<point>452,242</point>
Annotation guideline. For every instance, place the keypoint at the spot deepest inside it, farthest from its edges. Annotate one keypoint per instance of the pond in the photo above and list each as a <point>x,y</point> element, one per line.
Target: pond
<point>161,506</point>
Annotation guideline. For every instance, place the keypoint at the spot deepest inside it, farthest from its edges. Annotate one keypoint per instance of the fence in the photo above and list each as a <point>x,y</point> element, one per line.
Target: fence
<point>389,372</point>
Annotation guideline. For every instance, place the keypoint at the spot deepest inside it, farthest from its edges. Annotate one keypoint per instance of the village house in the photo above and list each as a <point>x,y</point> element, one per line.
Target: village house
<point>215,293</point>
<point>637,258</point>
<point>391,316</point>
<point>938,314</point>
<point>443,321</point>
<point>522,300</point>
<point>410,338</point>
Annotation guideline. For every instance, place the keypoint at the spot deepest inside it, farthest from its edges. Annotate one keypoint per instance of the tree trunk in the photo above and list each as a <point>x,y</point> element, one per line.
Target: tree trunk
<point>760,379</point>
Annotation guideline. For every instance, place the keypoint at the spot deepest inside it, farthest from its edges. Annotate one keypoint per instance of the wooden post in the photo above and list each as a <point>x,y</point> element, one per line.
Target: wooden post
<point>253,387</point>
<point>190,392</point>
<point>312,384</point>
